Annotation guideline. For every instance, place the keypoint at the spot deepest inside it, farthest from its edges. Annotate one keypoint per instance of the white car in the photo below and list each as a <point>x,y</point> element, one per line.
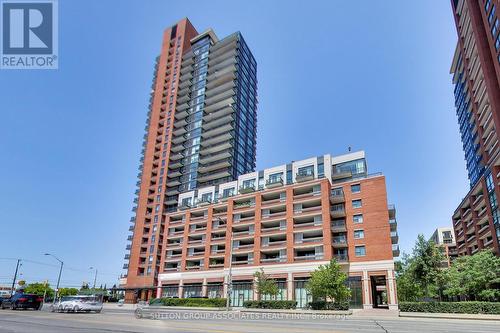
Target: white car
<point>78,303</point>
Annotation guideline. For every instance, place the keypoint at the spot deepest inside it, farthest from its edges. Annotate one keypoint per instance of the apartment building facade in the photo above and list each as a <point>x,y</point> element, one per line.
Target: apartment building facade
<point>476,77</point>
<point>200,131</point>
<point>287,220</point>
<point>444,238</point>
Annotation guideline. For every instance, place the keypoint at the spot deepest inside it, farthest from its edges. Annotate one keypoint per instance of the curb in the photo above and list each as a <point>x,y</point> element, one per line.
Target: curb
<point>462,316</point>
<point>287,311</point>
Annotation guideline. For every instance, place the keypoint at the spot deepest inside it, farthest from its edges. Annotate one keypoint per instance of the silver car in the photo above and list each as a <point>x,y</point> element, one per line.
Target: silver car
<point>78,303</point>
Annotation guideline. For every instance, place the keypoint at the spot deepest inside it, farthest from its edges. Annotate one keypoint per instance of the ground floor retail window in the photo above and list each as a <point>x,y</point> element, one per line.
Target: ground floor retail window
<point>192,290</point>
<point>302,296</point>
<point>282,294</point>
<point>170,291</point>
<point>354,283</point>
<point>242,291</point>
<point>215,290</point>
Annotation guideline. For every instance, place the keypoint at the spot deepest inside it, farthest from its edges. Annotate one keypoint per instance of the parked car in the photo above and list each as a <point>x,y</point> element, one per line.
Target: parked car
<point>78,303</point>
<point>22,301</point>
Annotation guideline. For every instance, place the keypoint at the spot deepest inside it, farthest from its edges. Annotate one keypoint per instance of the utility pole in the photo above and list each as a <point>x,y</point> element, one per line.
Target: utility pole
<point>230,275</point>
<point>95,277</point>
<point>58,278</point>
<point>15,278</point>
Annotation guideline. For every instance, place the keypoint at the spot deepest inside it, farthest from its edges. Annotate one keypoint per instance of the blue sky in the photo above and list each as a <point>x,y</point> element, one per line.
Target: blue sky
<point>372,75</point>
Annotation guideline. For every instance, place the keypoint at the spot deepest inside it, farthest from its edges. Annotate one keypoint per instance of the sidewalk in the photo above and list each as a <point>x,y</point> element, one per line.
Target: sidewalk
<point>450,316</point>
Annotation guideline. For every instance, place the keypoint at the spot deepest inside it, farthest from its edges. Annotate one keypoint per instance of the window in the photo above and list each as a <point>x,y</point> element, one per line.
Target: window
<point>275,178</point>
<point>356,203</point>
<point>359,234</point>
<point>157,208</point>
<point>360,251</point>
<point>306,171</point>
<point>206,197</point>
<point>492,15</point>
<point>321,170</point>
<point>250,183</point>
<point>487,6</point>
<point>186,202</point>
<point>356,188</point>
<point>358,218</point>
<point>228,192</point>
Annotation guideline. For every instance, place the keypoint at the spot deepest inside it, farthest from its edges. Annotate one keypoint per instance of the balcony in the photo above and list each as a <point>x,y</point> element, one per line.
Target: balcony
<point>337,196</point>
<point>244,189</point>
<point>339,241</point>
<point>304,176</point>
<point>393,224</point>
<point>395,250</point>
<point>341,175</point>
<point>341,258</point>
<point>338,226</point>
<point>394,237</point>
<point>337,211</point>
<point>274,182</point>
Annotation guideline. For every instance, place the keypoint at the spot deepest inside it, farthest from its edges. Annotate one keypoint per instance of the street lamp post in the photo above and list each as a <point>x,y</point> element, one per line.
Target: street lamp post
<point>95,277</point>
<point>59,277</point>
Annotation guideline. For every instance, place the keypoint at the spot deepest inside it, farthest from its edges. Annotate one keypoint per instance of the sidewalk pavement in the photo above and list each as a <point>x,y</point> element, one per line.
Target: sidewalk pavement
<point>450,316</point>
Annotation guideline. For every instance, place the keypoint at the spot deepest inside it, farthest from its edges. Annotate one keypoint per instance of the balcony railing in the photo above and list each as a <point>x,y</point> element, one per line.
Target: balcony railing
<point>274,182</point>
<point>244,189</point>
<point>304,176</point>
<point>341,257</point>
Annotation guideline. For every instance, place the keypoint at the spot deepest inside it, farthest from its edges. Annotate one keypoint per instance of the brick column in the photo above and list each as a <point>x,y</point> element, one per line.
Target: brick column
<point>392,300</point>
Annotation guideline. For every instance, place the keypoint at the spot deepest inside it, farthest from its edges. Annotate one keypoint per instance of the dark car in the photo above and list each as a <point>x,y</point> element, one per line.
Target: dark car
<point>22,301</point>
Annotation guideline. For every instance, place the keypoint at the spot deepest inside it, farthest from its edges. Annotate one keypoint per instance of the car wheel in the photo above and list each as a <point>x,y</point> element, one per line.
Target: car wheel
<point>75,308</point>
<point>138,313</point>
<point>12,306</point>
<point>60,308</point>
<point>97,311</point>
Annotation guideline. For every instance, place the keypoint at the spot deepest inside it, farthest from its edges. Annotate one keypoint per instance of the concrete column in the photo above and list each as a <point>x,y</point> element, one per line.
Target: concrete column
<point>158,291</point>
<point>181,289</point>
<point>224,287</point>
<point>289,287</point>
<point>366,291</point>
<point>255,293</point>
<point>393,302</point>
<point>204,288</point>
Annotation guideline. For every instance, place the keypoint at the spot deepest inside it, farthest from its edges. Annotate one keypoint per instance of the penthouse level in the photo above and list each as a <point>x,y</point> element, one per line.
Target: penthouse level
<point>287,220</point>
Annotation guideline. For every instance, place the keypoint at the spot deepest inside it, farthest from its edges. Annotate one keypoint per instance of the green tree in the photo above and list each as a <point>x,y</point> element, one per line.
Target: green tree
<point>265,285</point>
<point>40,289</point>
<point>328,282</point>
<point>427,267</point>
<point>68,291</point>
<point>475,277</point>
<point>408,289</point>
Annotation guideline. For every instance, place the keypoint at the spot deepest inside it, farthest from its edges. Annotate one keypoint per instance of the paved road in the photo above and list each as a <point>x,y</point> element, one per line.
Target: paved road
<point>123,321</point>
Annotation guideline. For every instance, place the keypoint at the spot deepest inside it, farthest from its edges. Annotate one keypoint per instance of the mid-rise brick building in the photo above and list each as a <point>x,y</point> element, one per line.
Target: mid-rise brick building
<point>287,220</point>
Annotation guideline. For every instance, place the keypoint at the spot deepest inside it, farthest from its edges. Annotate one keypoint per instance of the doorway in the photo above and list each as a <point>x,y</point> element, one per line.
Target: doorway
<point>379,291</point>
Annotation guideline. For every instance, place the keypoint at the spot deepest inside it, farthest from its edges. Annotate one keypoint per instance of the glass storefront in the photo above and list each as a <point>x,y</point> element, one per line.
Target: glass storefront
<point>354,283</point>
<point>301,295</point>
<point>242,291</point>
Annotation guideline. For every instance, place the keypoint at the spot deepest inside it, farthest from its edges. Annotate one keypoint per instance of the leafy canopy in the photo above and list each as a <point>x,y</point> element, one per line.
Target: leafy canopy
<point>328,282</point>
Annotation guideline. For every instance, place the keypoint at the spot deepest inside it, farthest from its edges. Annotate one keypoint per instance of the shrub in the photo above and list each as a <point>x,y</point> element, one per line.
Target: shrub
<point>190,302</point>
<point>323,305</point>
<point>451,307</point>
<point>270,304</point>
